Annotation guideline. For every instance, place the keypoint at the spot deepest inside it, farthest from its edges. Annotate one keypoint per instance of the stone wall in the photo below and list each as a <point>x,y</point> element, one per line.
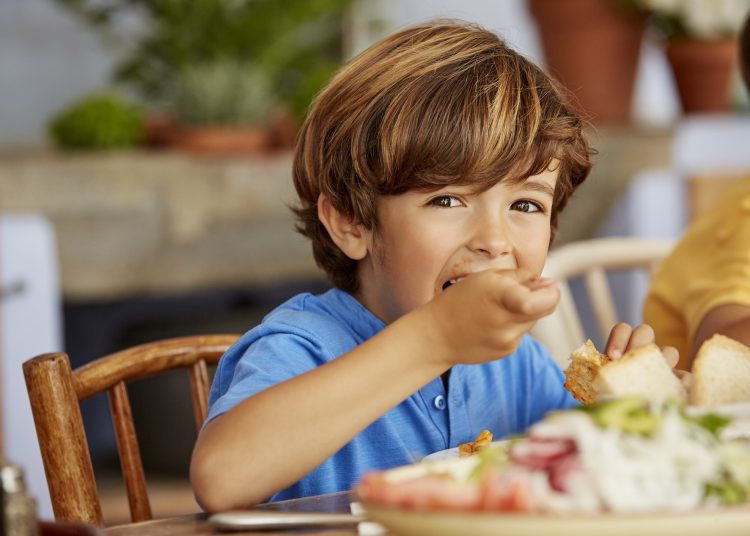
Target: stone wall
<point>161,223</point>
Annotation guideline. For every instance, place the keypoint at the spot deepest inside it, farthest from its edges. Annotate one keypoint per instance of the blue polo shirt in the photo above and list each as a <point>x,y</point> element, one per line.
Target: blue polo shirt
<point>504,396</point>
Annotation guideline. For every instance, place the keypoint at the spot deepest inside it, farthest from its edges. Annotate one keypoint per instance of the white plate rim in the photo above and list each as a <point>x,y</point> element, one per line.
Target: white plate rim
<point>449,454</point>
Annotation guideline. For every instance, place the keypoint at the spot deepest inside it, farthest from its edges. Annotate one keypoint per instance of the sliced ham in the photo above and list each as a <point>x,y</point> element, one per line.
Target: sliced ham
<point>429,492</point>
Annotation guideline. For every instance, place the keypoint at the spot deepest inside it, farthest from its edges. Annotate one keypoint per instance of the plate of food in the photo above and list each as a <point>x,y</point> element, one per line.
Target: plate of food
<point>619,467</point>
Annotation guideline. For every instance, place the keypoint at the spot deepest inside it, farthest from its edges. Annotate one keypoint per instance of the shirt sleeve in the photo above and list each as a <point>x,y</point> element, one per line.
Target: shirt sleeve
<point>266,361</point>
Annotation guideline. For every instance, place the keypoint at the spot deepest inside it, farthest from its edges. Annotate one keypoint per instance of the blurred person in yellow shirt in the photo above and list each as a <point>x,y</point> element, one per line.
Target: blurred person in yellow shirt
<point>703,287</point>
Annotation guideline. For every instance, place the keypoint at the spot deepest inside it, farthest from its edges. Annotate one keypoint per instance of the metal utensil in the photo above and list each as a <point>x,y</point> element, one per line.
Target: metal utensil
<point>273,519</point>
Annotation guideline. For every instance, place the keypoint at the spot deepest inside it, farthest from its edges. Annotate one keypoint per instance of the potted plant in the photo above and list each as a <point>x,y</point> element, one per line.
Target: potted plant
<point>222,107</point>
<point>593,48</point>
<point>292,47</point>
<point>701,46</point>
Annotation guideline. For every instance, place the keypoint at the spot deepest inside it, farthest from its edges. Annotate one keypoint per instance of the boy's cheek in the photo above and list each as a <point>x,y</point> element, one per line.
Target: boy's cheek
<point>436,291</point>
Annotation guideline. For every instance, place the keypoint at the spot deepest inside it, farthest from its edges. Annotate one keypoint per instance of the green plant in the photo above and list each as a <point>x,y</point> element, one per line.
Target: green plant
<point>223,92</point>
<point>99,121</point>
<point>297,43</point>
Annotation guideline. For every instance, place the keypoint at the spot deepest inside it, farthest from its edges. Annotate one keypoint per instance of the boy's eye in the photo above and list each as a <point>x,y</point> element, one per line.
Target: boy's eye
<point>527,206</point>
<point>445,201</point>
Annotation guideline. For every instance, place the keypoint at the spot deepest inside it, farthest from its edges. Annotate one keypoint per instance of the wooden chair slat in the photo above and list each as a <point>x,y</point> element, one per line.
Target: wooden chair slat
<point>130,456</point>
<point>200,386</point>
<point>601,300</point>
<point>567,307</point>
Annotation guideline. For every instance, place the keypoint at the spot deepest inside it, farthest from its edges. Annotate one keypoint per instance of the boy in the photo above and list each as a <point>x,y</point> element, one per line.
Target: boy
<point>703,287</point>
<point>430,174</point>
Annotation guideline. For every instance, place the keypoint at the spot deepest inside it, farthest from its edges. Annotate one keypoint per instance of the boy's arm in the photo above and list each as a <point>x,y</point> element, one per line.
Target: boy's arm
<point>274,438</point>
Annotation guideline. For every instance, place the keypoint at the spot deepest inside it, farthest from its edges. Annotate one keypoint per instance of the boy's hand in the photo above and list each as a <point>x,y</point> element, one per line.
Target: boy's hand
<point>484,316</point>
<point>624,338</point>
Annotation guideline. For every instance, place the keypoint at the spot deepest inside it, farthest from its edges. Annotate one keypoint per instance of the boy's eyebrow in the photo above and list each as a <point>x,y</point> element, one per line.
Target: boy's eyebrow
<point>542,187</point>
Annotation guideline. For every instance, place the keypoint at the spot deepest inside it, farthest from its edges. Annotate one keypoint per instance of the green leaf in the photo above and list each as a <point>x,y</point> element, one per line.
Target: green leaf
<point>99,121</point>
<point>712,422</point>
<point>296,43</point>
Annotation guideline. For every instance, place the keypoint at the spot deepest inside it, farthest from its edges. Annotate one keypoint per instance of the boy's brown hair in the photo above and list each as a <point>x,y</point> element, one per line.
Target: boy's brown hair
<point>434,104</point>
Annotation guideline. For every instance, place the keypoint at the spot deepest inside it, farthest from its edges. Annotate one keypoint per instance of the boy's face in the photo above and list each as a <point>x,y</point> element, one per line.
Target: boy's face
<point>425,240</point>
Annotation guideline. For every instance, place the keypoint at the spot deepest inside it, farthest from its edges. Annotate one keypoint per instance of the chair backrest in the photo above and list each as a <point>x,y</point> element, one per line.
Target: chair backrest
<point>55,392</point>
<point>562,331</point>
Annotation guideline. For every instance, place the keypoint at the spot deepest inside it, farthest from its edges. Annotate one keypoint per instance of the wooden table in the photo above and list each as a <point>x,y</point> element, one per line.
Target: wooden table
<point>192,524</point>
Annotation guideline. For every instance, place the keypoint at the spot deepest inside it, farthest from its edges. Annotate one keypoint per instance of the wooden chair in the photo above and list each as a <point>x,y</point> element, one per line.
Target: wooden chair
<point>562,331</point>
<point>55,392</point>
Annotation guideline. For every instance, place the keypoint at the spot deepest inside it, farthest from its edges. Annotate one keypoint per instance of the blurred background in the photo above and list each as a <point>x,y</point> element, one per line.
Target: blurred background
<point>145,164</point>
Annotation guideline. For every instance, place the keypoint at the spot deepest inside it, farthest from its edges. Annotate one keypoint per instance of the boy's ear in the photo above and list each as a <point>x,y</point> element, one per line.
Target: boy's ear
<point>351,237</point>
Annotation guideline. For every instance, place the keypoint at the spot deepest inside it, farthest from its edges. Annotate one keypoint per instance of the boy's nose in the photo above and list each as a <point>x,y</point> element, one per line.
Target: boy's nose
<point>490,238</point>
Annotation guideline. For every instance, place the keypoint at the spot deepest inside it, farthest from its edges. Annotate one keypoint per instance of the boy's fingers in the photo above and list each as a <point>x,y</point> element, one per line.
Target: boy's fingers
<point>642,335</point>
<point>539,282</point>
<point>618,340</point>
<point>671,355</point>
<point>685,377</point>
<point>624,338</point>
<point>543,302</point>
<point>521,300</point>
<point>524,274</point>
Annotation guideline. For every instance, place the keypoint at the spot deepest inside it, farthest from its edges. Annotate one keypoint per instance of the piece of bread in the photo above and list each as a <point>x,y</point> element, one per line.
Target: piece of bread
<point>592,375</point>
<point>641,372</point>
<point>584,366</point>
<point>721,372</point>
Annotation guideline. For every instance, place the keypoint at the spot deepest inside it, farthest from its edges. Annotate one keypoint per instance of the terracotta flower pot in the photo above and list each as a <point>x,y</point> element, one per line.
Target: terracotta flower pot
<point>219,140</point>
<point>223,140</point>
<point>703,73</point>
<point>592,47</point>
<point>165,132</point>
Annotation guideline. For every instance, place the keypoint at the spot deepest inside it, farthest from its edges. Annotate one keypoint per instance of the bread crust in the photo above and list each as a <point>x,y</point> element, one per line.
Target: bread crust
<point>581,373</point>
<point>721,372</point>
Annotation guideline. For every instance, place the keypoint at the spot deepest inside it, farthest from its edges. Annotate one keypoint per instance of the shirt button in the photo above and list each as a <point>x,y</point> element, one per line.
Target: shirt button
<point>439,402</point>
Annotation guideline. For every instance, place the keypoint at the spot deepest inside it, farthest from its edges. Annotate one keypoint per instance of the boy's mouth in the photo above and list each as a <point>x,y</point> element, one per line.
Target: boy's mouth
<point>452,282</point>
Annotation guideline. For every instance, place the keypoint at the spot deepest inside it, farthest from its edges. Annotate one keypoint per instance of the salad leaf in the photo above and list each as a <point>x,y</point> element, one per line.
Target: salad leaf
<point>712,422</point>
<point>632,415</point>
<point>728,492</point>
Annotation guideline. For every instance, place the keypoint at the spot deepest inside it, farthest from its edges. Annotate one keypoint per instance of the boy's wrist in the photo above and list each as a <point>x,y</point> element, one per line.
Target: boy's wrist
<point>433,330</point>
